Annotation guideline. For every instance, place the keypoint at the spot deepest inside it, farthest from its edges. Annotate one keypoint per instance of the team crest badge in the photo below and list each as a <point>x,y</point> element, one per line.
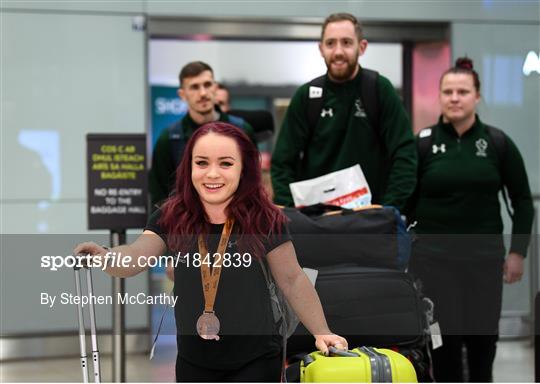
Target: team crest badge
<point>481,146</point>
<point>360,112</point>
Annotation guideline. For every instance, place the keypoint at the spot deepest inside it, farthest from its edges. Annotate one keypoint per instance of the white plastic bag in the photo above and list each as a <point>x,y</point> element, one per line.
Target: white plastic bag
<point>347,188</point>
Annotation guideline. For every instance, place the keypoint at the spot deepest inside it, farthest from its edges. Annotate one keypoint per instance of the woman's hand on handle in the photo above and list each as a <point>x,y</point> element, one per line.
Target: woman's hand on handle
<point>89,249</point>
<point>323,342</point>
<point>129,259</point>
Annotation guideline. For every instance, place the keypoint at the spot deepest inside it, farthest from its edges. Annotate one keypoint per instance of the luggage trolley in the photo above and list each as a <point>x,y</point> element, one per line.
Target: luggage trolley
<point>82,330</point>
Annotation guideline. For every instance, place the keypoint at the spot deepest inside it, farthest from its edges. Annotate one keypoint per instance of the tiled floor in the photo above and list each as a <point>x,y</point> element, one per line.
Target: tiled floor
<point>139,368</point>
<point>514,363</point>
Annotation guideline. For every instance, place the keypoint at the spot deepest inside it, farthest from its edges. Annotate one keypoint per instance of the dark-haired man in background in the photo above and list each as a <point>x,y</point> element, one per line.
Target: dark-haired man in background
<point>198,90</point>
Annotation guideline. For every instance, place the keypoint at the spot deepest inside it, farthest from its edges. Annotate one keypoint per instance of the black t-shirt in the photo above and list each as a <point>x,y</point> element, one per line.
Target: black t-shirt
<point>242,303</point>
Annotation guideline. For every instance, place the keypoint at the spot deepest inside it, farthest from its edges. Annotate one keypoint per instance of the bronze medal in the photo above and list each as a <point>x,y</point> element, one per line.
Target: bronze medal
<point>208,323</point>
<point>208,326</point>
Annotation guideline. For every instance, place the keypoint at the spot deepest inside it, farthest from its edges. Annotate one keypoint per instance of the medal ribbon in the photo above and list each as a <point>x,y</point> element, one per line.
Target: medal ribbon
<point>210,279</point>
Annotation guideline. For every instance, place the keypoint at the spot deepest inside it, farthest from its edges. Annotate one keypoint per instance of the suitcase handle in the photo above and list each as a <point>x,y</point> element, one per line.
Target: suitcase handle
<point>83,261</point>
<point>341,353</point>
<point>82,330</point>
<point>307,360</point>
<point>332,351</point>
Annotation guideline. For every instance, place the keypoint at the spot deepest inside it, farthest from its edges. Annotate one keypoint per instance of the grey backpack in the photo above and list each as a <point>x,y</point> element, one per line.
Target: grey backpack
<point>284,316</point>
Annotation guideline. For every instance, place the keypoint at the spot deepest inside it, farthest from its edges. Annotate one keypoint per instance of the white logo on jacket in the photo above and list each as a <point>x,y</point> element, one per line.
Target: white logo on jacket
<point>329,112</point>
<point>425,132</point>
<point>360,112</point>
<point>441,148</point>
<point>315,92</point>
<point>182,258</point>
<point>481,146</point>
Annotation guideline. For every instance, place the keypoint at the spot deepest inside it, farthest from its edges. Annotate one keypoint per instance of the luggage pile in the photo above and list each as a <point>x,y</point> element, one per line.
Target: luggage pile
<point>367,296</point>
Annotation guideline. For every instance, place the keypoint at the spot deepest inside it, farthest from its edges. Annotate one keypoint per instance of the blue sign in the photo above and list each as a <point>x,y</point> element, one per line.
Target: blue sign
<point>167,108</point>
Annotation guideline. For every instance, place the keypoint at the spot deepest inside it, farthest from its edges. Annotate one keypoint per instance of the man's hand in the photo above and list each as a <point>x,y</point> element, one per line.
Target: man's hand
<point>513,268</point>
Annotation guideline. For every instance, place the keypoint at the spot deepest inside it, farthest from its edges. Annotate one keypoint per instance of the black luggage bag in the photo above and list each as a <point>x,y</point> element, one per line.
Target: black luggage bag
<point>326,235</point>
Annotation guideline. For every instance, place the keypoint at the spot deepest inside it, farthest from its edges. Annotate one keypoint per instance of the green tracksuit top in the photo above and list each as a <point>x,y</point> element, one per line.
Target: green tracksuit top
<point>163,171</point>
<point>342,138</point>
<point>458,186</point>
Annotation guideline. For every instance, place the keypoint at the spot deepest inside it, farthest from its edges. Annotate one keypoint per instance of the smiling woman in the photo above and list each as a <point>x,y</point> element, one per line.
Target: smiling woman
<point>221,214</point>
<point>216,170</point>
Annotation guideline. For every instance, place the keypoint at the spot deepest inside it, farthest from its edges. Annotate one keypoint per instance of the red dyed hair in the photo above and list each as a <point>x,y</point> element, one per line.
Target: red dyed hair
<point>256,217</point>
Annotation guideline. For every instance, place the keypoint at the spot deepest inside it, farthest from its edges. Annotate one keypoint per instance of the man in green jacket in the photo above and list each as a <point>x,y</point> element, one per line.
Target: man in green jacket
<point>198,90</point>
<point>344,134</point>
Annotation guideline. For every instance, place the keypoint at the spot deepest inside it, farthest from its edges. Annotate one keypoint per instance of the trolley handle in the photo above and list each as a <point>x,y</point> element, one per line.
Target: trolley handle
<point>88,258</point>
<point>82,330</point>
<point>81,258</point>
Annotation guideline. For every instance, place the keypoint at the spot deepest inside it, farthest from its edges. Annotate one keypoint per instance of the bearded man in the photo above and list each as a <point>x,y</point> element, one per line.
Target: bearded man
<point>349,116</point>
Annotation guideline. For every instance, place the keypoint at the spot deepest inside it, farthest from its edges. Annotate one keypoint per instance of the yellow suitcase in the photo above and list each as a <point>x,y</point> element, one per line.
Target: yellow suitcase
<point>364,364</point>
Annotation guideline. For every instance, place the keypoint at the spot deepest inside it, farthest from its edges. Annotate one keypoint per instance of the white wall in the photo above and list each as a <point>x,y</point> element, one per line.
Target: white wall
<point>430,10</point>
<point>62,76</point>
<point>261,62</point>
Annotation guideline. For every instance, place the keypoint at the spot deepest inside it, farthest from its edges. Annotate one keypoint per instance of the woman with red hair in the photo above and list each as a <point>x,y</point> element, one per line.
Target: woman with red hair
<point>221,224</point>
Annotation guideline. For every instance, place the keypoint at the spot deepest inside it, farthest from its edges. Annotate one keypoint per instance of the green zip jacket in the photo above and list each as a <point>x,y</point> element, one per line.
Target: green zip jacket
<point>163,171</point>
<point>458,186</point>
<point>343,138</point>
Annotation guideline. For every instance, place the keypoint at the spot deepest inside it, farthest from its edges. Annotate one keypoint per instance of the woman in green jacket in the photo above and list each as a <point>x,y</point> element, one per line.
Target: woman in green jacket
<point>460,256</point>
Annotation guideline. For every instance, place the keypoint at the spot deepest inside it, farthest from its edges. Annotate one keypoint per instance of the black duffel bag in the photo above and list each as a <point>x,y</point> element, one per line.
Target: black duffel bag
<point>369,237</point>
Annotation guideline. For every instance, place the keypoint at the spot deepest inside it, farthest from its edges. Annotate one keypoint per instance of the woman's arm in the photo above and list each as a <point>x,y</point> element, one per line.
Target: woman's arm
<point>302,296</point>
<point>147,244</point>
<point>515,179</point>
